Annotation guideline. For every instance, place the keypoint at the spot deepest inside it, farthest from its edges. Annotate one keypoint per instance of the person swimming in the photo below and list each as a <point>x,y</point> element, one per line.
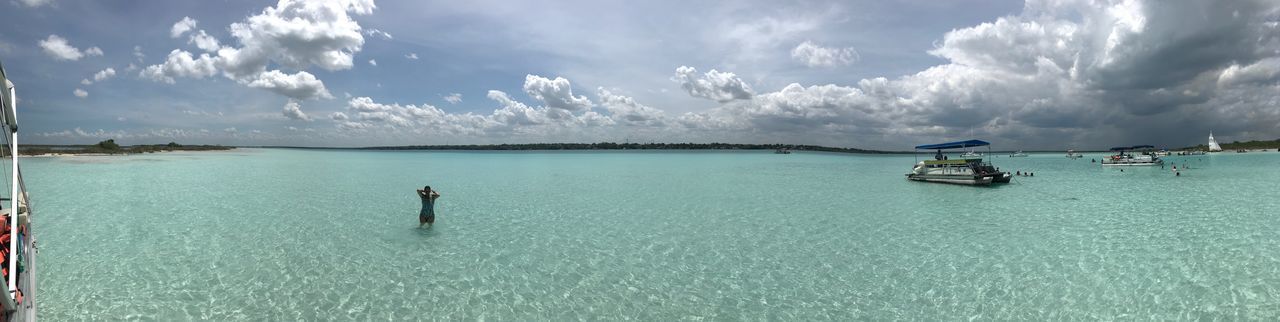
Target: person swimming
<point>427,216</point>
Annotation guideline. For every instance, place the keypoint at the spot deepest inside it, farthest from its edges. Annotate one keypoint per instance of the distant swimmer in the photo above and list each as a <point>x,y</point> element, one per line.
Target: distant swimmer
<point>428,214</point>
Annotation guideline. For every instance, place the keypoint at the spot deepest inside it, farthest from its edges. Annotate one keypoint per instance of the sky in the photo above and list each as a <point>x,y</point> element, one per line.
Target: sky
<point>1039,74</point>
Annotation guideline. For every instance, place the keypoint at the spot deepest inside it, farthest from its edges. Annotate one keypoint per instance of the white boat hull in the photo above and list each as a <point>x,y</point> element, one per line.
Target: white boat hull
<point>1132,164</point>
<point>952,179</point>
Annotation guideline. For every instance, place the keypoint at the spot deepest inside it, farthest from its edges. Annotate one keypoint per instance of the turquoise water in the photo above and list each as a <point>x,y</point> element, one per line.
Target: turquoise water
<point>261,234</point>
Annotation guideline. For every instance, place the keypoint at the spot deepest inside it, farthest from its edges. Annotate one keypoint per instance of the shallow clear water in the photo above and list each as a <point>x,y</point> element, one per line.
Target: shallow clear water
<point>261,234</point>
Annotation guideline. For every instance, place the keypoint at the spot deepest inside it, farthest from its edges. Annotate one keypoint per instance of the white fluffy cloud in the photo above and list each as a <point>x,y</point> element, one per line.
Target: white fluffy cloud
<point>100,76</point>
<point>413,56</point>
<point>293,111</point>
<point>181,63</point>
<point>204,41</point>
<point>373,62</point>
<point>813,55</point>
<point>59,49</point>
<point>297,34</point>
<point>104,74</point>
<point>339,116</point>
<point>511,117</point>
<point>182,27</point>
<point>555,93</point>
<point>626,110</point>
<point>715,85</point>
<point>80,93</point>
<point>293,34</point>
<point>300,85</point>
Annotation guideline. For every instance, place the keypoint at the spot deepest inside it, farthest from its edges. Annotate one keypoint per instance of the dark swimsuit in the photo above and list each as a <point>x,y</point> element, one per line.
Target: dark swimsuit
<point>428,207</point>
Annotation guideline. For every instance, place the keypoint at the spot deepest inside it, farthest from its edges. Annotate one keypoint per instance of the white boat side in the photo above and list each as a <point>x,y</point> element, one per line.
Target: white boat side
<point>19,301</point>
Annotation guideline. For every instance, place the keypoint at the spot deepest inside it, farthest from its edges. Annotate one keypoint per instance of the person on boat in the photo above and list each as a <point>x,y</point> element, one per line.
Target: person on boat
<point>427,216</point>
<point>939,156</point>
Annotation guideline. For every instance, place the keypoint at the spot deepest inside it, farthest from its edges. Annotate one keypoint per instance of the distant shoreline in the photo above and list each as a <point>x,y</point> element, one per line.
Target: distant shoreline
<point>61,155</point>
<point>608,146</point>
<point>107,148</point>
<point>604,146</point>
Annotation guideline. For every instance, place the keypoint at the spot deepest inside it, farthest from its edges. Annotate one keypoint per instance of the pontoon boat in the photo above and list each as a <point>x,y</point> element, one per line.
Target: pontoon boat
<point>1145,157</point>
<point>968,171</point>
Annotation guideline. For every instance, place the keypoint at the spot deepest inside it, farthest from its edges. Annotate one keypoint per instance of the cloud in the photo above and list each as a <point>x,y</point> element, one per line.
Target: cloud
<point>137,53</point>
<point>293,111</point>
<point>453,98</point>
<point>366,116</point>
<point>204,41</point>
<point>201,113</point>
<point>1060,73</point>
<point>715,85</point>
<point>300,85</point>
<point>80,93</point>
<point>230,130</point>
<point>58,48</point>
<point>515,113</point>
<point>297,34</point>
<point>181,63</point>
<point>627,111</point>
<point>293,34</point>
<point>377,33</point>
<point>373,62</point>
<point>35,3</point>
<point>555,93</point>
<point>99,76</point>
<point>401,116</point>
<point>104,74</point>
<point>1263,71</point>
<point>813,55</point>
<point>182,27</point>
<point>412,56</point>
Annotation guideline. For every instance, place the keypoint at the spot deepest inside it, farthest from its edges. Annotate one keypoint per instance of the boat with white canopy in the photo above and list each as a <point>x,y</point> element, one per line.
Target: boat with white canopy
<point>1143,158</point>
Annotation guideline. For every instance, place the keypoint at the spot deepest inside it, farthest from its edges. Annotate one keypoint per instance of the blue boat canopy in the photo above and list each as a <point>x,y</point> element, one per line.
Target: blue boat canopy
<point>953,145</point>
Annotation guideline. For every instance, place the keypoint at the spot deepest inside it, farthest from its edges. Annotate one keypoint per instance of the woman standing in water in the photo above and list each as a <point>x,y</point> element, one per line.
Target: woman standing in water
<point>427,216</point>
